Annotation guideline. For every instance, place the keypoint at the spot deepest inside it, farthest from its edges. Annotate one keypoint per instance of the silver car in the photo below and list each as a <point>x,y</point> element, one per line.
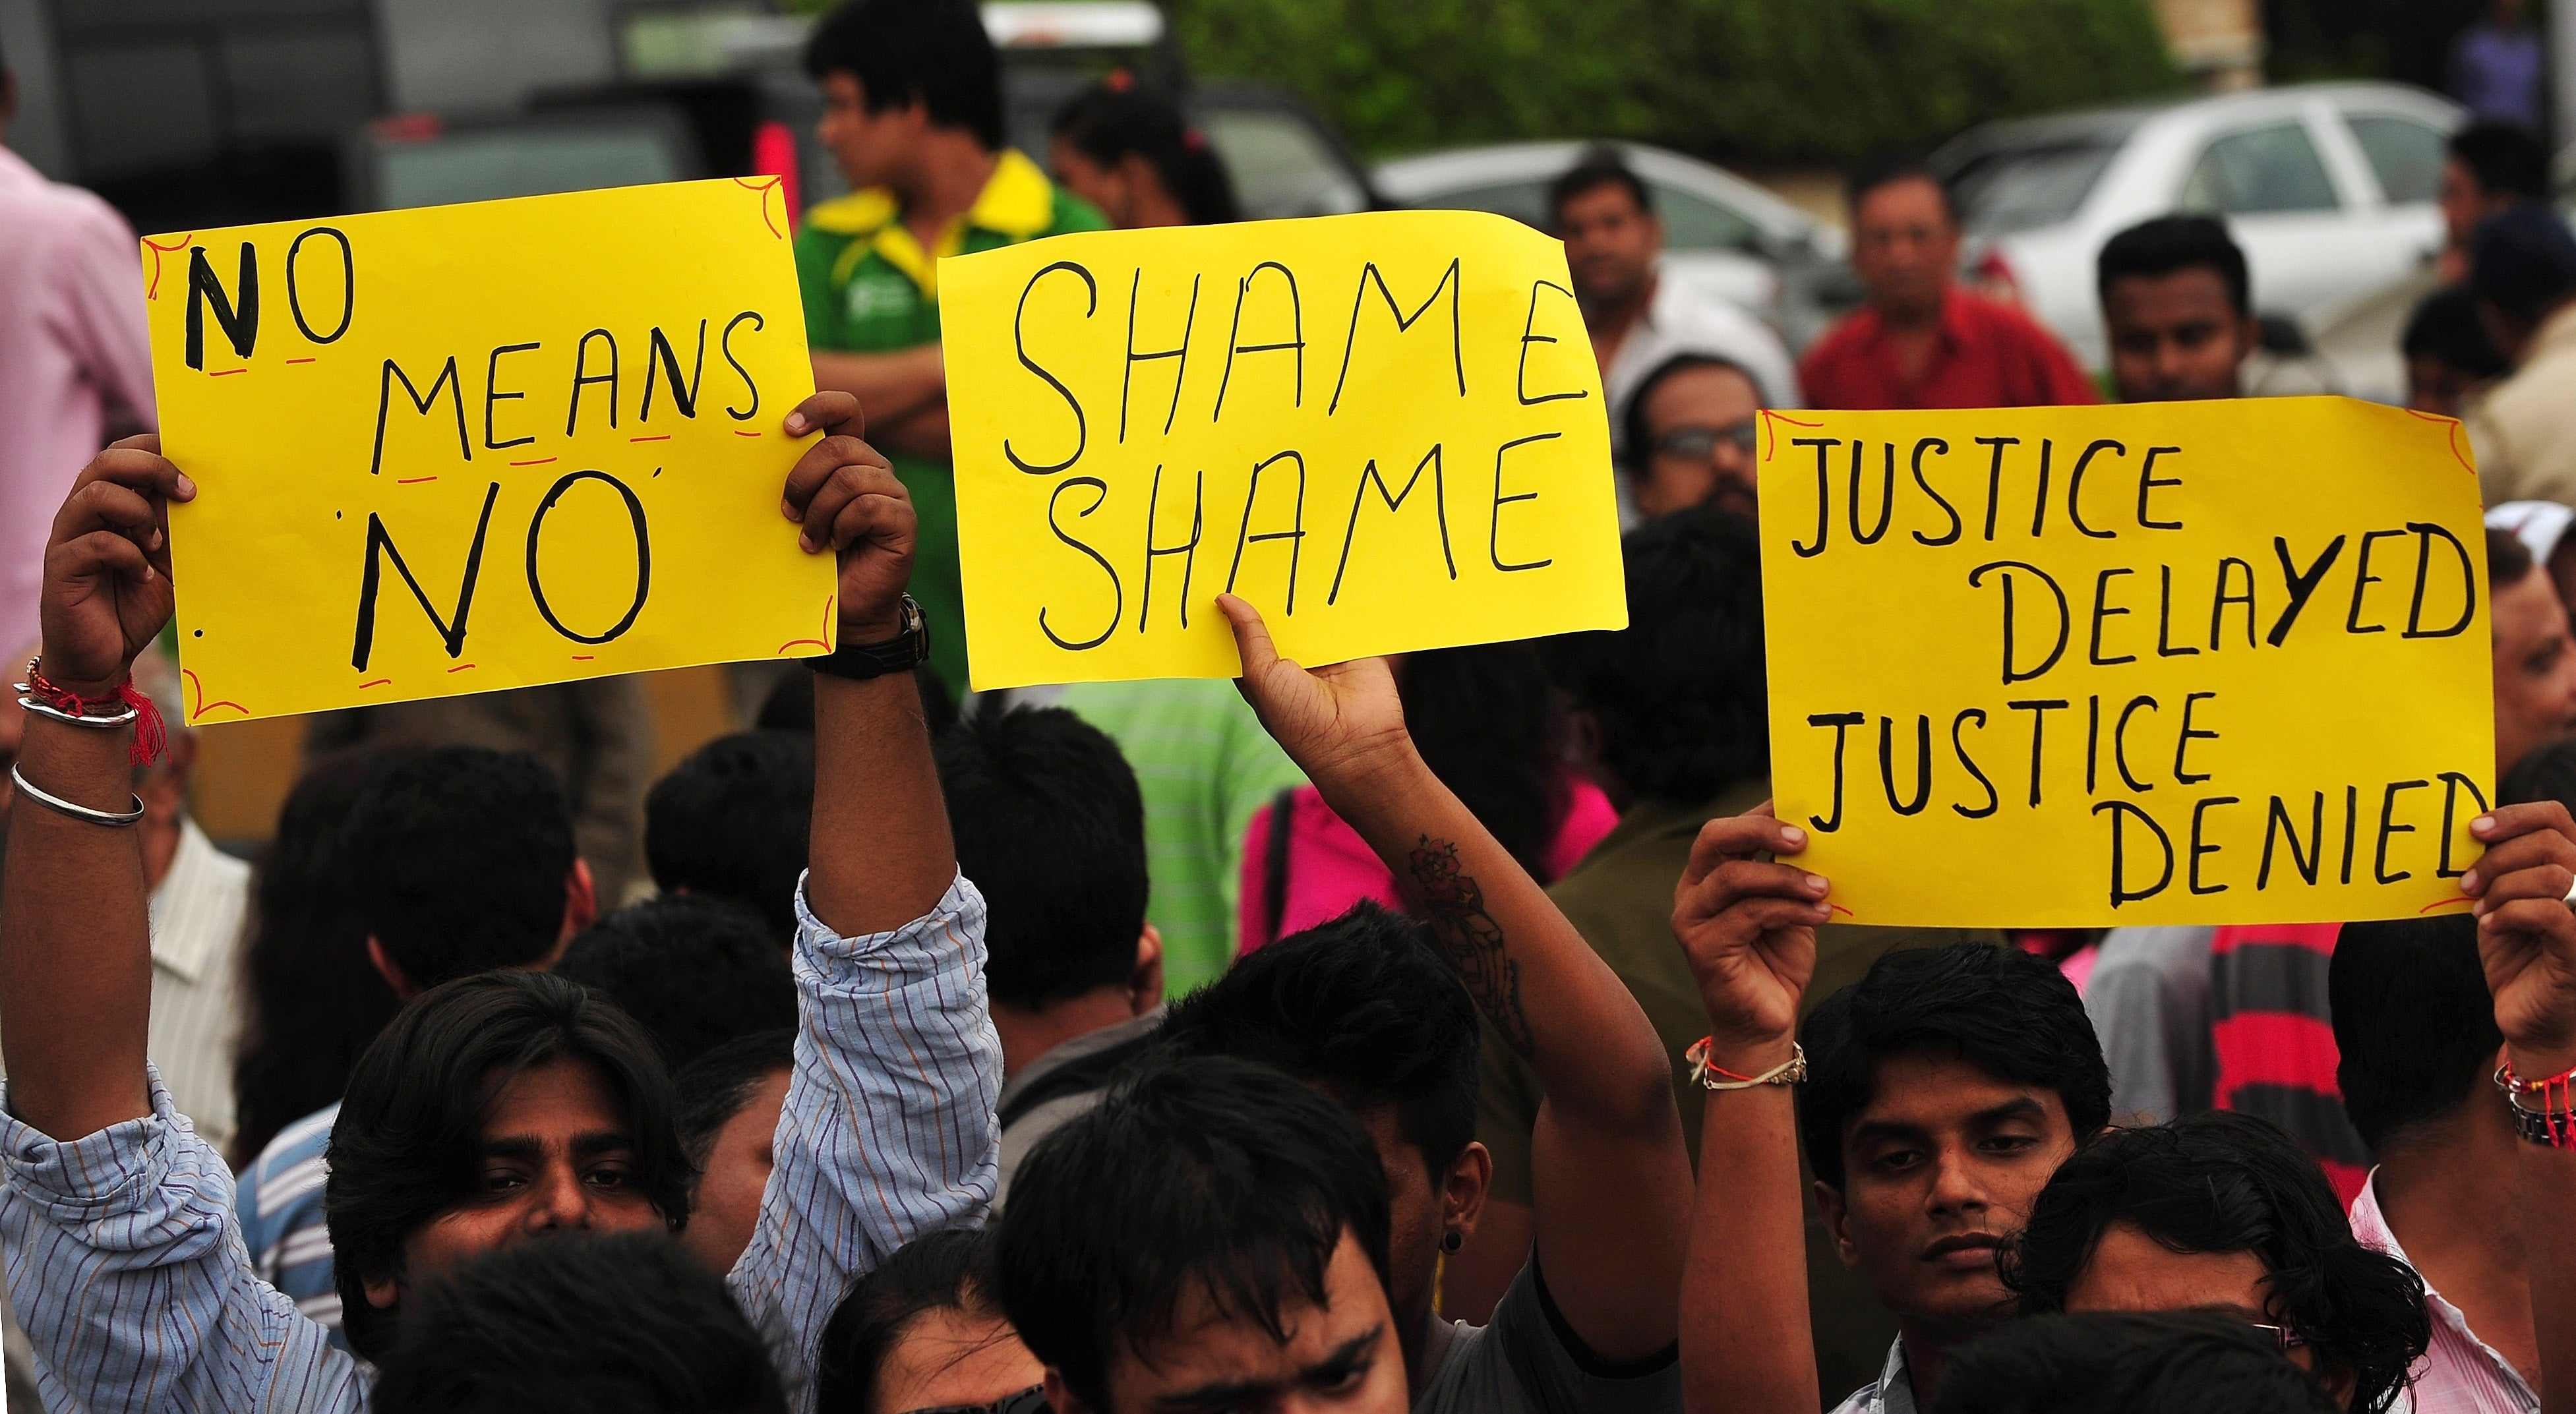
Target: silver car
<point>1722,234</point>
<point>2329,188</point>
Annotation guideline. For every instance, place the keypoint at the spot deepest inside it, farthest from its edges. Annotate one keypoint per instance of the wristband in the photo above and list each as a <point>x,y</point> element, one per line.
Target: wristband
<point>44,699</point>
<point>1710,1076</point>
<point>2552,1124</point>
<point>863,662</point>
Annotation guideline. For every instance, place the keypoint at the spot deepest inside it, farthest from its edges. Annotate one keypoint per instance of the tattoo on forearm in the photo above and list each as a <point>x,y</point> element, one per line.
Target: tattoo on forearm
<point>1455,906</point>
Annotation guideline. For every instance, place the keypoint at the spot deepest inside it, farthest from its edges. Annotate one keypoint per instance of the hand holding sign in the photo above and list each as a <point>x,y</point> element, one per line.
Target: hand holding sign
<point>844,494</point>
<point>107,568</point>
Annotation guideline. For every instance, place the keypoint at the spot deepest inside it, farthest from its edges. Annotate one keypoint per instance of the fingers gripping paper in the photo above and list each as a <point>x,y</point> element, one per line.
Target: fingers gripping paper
<point>473,447</point>
<point>2176,663</point>
<point>1384,430</point>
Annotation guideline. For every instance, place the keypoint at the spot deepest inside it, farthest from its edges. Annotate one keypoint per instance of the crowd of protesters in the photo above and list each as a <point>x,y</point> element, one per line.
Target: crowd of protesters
<point>1510,1060</point>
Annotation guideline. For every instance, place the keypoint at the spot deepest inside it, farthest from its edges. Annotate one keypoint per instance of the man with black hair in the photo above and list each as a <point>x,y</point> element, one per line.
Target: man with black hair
<point>1638,319</point>
<point>2535,655</point>
<point>2522,272</point>
<point>2450,361</point>
<point>1921,341</point>
<point>1691,431</point>
<point>912,113</point>
<point>2105,1363</point>
<point>2491,167</point>
<point>427,819</point>
<point>1212,1235</point>
<point>2177,309</point>
<point>729,1100</point>
<point>1051,828</point>
<point>1671,720</point>
<point>498,1108</point>
<point>2416,1031</point>
<point>730,820</point>
<point>693,972</point>
<point>925,1331</point>
<point>602,1325</point>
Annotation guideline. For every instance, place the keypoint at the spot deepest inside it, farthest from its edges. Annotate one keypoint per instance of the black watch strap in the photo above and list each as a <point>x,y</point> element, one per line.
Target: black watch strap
<point>860,662</point>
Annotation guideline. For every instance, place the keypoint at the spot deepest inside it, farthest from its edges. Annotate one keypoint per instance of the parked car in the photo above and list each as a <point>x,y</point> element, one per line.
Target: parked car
<point>2329,188</point>
<point>1722,234</point>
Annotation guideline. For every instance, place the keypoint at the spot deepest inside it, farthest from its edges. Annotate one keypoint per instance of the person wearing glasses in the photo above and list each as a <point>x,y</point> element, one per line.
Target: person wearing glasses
<point>1692,429</point>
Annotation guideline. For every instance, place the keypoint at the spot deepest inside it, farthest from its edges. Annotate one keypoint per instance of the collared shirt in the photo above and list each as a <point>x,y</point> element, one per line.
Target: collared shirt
<point>279,1200</point>
<point>196,935</point>
<point>1984,355</point>
<point>1680,319</point>
<point>1891,1393</point>
<point>127,1263</point>
<point>72,343</point>
<point>2524,430</point>
<point>869,287</point>
<point>2458,1373</point>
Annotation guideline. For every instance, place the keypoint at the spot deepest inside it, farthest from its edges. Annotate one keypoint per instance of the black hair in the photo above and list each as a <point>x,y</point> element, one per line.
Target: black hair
<point>947,1270</point>
<point>1050,827</point>
<point>2414,1026</point>
<point>579,1325</point>
<point>1488,724</point>
<point>310,998</point>
<point>693,972</point>
<point>408,1143</point>
<point>902,51</point>
<point>2218,1181</point>
<point>1199,1176</point>
<point>2545,773</point>
<point>1362,1006</point>
<point>1634,425</point>
<point>1887,171</point>
<point>2522,262</point>
<point>1679,693</point>
<point>712,1089</point>
<point>460,857</point>
<point>1107,123</point>
<point>2506,159</point>
<point>2445,328</point>
<point>2165,245</point>
<point>789,707</point>
<point>2508,559</point>
<point>731,820</point>
<point>1999,1009</point>
<point>2120,1362</point>
<point>1598,167</point>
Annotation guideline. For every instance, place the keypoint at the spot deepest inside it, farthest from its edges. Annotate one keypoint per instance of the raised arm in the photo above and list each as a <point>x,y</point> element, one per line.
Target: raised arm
<point>1608,1138</point>
<point>888,1129</point>
<point>1748,927</point>
<point>2527,938</point>
<point>892,386</point>
<point>75,941</point>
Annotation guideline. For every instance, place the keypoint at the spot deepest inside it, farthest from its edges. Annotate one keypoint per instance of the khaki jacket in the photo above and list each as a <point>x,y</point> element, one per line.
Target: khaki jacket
<point>2525,431</point>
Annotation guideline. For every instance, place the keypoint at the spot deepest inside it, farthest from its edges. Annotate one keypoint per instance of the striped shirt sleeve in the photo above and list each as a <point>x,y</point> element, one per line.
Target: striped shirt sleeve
<point>126,1266</point>
<point>888,1127</point>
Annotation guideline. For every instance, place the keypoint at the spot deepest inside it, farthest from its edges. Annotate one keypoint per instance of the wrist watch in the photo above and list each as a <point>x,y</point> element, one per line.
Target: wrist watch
<point>861,662</point>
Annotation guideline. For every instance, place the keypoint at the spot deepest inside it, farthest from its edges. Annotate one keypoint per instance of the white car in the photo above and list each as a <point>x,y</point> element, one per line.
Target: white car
<point>2329,188</point>
<point>1722,234</point>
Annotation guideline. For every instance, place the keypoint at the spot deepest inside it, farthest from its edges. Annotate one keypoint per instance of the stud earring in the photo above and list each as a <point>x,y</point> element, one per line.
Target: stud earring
<point>1452,1240</point>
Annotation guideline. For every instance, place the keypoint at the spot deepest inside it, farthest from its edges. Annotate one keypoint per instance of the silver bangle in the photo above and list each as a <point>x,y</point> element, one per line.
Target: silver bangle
<point>42,708</point>
<point>113,819</point>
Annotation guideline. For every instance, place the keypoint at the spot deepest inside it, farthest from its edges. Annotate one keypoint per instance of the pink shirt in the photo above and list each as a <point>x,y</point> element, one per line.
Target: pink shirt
<point>72,344</point>
<point>2459,1373</point>
<point>1330,867</point>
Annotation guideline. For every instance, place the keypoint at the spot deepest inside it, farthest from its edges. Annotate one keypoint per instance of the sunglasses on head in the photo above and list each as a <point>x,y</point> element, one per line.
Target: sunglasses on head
<point>1028,1401</point>
<point>1701,443</point>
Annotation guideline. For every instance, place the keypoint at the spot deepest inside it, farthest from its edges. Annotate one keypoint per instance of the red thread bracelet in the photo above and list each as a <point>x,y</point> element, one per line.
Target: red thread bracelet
<point>151,736</point>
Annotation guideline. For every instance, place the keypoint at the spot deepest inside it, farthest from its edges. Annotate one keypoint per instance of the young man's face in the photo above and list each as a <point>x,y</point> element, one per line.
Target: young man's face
<point>2535,667</point>
<point>1939,1169</point>
<point>1610,244</point>
<point>2175,336</point>
<point>1342,1356</point>
<point>2131,1271</point>
<point>1701,422</point>
<point>557,1158</point>
<point>873,149</point>
<point>1904,245</point>
<point>726,1206</point>
<point>953,1359</point>
<point>1420,1212</point>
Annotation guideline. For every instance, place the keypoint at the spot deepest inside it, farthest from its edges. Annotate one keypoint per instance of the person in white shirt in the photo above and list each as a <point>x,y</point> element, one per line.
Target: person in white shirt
<point>1637,318</point>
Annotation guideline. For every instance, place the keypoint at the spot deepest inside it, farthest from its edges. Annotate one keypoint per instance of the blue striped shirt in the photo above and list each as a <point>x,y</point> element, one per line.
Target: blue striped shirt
<point>279,1199</point>
<point>126,1262</point>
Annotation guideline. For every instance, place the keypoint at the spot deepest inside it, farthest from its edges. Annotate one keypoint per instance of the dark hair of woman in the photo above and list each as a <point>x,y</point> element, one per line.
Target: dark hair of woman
<point>310,999</point>
<point>1108,122</point>
<point>1487,722</point>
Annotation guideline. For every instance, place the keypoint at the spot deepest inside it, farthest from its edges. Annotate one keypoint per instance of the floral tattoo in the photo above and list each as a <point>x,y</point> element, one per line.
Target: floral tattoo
<point>1470,937</point>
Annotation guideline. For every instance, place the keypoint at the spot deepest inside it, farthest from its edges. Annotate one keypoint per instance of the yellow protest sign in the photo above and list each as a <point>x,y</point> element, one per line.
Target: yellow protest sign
<point>474,447</point>
<point>2175,663</point>
<point>1146,419</point>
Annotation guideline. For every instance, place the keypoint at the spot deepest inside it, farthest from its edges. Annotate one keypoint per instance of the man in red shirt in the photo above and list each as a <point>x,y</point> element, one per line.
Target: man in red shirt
<point>1921,342</point>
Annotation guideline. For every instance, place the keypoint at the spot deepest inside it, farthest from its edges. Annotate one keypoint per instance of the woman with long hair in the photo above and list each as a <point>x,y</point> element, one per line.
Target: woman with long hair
<point>1130,152</point>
